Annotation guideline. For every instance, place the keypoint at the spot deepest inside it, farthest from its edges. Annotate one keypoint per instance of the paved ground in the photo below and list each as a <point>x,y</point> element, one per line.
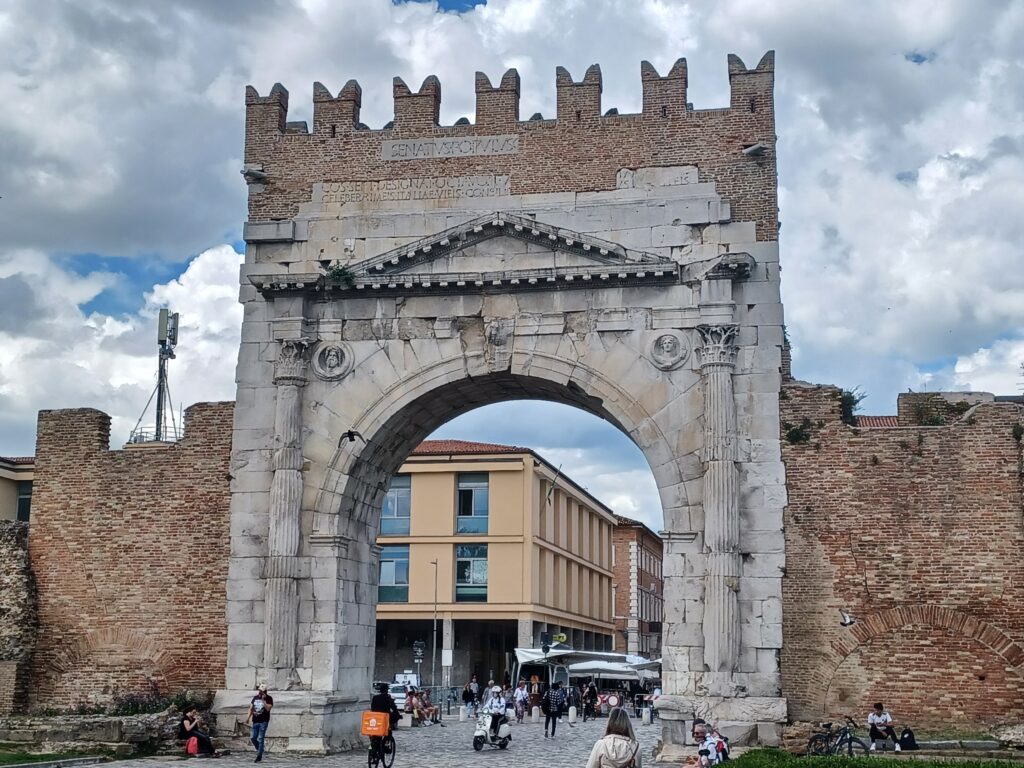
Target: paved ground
<point>452,747</point>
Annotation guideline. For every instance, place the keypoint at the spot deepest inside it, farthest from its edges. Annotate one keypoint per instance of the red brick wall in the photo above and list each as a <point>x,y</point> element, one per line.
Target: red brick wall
<point>130,552</point>
<point>579,151</point>
<point>622,536</point>
<point>917,532</point>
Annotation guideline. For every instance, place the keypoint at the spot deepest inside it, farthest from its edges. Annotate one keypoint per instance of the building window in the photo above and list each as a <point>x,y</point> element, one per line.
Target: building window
<point>24,500</point>
<point>394,518</point>
<point>473,503</point>
<point>471,573</point>
<point>394,575</point>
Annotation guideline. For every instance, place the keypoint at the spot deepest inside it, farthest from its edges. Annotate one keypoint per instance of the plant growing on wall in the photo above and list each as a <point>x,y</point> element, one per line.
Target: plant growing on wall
<point>341,274</point>
<point>797,434</point>
<point>849,404</point>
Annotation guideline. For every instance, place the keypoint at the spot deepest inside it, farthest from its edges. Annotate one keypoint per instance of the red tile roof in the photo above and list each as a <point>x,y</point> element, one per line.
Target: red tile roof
<point>18,459</point>
<point>445,447</point>
<point>874,422</point>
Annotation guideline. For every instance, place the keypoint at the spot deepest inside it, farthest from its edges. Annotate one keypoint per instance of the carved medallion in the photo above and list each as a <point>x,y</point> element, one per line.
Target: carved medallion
<point>331,360</point>
<point>669,350</point>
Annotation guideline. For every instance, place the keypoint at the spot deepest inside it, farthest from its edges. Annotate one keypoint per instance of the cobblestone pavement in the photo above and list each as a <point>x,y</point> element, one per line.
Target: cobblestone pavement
<point>452,747</point>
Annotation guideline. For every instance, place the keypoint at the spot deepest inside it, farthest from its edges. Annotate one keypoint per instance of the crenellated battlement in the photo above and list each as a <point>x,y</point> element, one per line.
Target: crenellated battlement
<point>581,148</point>
<point>664,97</point>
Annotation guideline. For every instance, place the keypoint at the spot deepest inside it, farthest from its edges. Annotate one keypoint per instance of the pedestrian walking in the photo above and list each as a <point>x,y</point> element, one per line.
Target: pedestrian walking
<point>551,705</point>
<point>521,698</point>
<point>468,700</point>
<point>618,748</point>
<point>259,716</point>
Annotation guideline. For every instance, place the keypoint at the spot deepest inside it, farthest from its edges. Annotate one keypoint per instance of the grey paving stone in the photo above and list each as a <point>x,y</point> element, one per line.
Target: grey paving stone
<point>449,747</point>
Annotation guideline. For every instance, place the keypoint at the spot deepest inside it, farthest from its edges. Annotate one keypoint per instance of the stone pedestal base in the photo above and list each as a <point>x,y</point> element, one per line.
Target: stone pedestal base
<point>751,720</point>
<point>301,722</point>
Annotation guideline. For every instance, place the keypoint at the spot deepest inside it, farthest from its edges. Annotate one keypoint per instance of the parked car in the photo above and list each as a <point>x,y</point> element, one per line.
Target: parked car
<point>397,691</point>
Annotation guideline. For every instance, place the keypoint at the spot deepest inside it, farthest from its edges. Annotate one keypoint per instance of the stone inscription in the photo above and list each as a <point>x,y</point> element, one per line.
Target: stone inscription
<point>465,146</point>
<point>428,188</point>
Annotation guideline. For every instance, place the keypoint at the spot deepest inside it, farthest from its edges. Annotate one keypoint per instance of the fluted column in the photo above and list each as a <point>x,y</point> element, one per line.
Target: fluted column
<point>721,627</point>
<point>282,600</point>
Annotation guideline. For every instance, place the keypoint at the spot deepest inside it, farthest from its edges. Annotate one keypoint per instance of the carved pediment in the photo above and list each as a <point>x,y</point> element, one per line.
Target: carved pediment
<point>510,252</point>
<point>496,252</point>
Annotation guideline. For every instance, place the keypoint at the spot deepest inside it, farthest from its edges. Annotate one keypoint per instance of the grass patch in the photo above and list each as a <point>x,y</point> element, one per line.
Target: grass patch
<point>774,758</point>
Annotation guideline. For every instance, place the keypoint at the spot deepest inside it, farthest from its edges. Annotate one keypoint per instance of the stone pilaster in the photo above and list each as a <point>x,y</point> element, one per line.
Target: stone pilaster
<point>721,624</point>
<point>282,568</point>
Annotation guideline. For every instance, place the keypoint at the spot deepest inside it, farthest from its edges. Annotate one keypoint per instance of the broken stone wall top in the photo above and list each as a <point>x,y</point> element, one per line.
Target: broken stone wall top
<point>580,150</point>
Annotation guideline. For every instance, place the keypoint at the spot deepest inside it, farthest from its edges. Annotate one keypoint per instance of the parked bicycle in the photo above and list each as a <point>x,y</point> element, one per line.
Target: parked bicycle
<point>843,741</point>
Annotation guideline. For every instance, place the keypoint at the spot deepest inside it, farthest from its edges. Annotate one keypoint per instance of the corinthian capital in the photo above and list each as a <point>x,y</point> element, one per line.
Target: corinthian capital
<point>292,361</point>
<point>718,344</point>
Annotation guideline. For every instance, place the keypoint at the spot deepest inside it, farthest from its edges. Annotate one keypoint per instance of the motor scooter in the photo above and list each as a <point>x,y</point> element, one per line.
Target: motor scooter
<point>482,735</point>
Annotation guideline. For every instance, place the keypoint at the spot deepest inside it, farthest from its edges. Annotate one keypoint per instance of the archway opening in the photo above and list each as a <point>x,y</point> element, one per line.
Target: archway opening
<point>496,534</point>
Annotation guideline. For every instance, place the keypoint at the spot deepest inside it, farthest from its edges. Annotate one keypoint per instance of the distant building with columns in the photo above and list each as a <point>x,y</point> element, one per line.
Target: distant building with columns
<point>638,594</point>
<point>513,559</point>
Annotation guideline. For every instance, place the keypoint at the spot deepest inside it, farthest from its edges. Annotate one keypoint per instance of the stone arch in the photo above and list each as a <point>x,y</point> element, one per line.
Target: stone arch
<point>892,620</point>
<point>350,474</point>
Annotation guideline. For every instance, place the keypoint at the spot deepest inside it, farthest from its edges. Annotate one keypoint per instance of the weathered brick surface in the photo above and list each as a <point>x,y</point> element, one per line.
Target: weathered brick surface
<point>916,532</point>
<point>130,552</point>
<point>17,614</point>
<point>579,151</point>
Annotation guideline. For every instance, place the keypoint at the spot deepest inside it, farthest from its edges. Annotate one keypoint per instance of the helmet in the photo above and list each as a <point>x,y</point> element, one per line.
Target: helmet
<point>382,687</point>
<point>496,689</point>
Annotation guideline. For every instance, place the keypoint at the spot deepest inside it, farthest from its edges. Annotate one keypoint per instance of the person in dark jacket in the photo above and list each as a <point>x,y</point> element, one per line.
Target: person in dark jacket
<point>382,702</point>
<point>551,705</point>
<point>192,725</point>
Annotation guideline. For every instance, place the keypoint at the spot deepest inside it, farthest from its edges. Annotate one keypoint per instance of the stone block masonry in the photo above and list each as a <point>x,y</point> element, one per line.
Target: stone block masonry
<point>18,623</point>
<point>130,551</point>
<point>917,532</point>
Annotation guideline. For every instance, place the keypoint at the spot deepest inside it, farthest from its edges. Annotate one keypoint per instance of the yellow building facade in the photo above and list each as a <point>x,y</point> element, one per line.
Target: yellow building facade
<point>475,531</point>
<point>16,475</point>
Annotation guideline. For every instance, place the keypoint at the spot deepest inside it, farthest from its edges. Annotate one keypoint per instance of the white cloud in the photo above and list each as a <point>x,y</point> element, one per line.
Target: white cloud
<point>997,369</point>
<point>76,360</point>
<point>900,183</point>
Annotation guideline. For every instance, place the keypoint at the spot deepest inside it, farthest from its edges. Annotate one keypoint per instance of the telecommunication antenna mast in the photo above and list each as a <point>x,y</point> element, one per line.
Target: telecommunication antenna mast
<point>167,340</point>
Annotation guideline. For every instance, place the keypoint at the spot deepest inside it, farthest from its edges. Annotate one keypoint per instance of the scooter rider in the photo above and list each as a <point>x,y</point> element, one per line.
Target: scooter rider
<point>496,706</point>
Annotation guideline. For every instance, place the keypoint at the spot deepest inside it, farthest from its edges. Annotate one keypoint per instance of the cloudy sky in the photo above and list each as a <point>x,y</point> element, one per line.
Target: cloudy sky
<point>901,157</point>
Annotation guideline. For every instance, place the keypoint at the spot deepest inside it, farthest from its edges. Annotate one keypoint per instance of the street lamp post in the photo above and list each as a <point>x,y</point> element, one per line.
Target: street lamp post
<point>433,652</point>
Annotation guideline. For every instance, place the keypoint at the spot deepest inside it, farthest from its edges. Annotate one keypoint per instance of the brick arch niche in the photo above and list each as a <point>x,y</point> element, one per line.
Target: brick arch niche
<point>931,666</point>
<point>394,278</point>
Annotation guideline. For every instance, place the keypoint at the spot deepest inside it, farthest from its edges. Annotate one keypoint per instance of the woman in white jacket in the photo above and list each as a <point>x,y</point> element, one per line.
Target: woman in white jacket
<point>618,748</point>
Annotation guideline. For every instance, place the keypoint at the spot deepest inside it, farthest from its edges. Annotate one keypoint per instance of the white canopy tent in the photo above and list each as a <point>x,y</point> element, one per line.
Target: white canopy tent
<point>617,666</point>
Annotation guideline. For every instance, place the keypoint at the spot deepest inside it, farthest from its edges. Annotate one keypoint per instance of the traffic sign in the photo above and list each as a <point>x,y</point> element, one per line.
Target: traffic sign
<point>559,637</point>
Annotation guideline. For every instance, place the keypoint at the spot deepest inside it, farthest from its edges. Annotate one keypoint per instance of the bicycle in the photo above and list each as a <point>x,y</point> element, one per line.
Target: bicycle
<point>841,742</point>
<point>382,751</point>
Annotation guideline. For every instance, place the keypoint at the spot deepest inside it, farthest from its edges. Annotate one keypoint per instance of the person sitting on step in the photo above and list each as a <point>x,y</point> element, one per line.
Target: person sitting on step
<point>881,724</point>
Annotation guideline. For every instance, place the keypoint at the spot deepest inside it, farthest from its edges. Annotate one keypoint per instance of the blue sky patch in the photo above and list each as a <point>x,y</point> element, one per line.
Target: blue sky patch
<point>919,57</point>
<point>135,277</point>
<point>449,5</point>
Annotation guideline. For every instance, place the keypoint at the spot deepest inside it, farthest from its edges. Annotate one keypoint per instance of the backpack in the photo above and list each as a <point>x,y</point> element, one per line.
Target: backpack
<point>723,749</point>
<point>907,740</point>
<point>192,746</point>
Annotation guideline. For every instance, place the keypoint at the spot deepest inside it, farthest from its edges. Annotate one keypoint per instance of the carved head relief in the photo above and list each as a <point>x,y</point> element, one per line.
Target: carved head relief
<point>669,350</point>
<point>332,360</point>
